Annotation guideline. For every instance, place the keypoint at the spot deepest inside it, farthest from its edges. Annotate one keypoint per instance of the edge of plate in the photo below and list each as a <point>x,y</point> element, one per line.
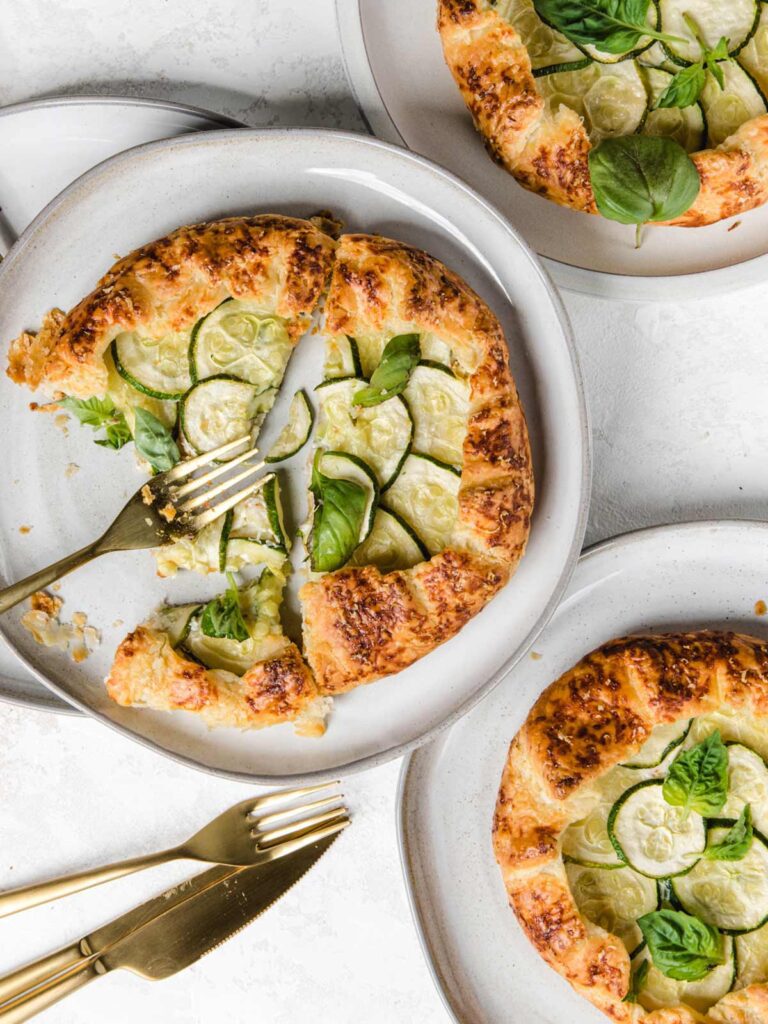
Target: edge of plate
<point>599,284</point>
<point>411,760</point>
<point>370,760</point>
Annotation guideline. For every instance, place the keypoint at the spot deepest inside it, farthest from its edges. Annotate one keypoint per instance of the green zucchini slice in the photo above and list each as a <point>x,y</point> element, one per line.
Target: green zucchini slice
<point>344,466</point>
<point>439,404</point>
<point>127,399</point>
<point>613,898</point>
<point>158,367</point>
<point>220,409</point>
<point>380,435</point>
<point>371,347</point>
<point>747,784</point>
<point>175,620</point>
<point>659,991</point>
<point>295,433</point>
<point>240,339</point>
<point>727,109</point>
<point>735,20</point>
<point>391,544</point>
<point>256,534</point>
<point>545,45</point>
<point>731,895</point>
<point>426,496</point>
<point>653,837</point>
<point>612,99</point>
<point>342,358</point>
<point>752,957</point>
<point>659,745</point>
<point>753,56</point>
<point>685,125</point>
<point>200,553</point>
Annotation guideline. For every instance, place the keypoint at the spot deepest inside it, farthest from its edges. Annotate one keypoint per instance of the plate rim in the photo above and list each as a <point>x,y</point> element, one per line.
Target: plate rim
<point>410,761</point>
<point>595,283</point>
<point>358,139</point>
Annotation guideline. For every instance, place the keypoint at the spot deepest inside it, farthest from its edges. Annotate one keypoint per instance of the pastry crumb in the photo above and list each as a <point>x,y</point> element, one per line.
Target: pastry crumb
<point>146,495</point>
<point>535,656</point>
<point>41,601</point>
<point>61,421</point>
<point>736,224</point>
<point>24,529</point>
<point>72,468</point>
<point>43,623</point>
<point>117,623</point>
<point>168,512</point>
<point>79,619</point>
<point>761,607</point>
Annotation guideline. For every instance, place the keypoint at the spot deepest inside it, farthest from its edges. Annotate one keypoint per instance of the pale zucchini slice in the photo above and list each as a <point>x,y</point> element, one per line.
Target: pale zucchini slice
<point>659,745</point>
<point>731,895</point>
<point>380,435</point>
<point>747,784</point>
<point>342,358</point>
<point>660,991</point>
<point>431,346</point>
<point>612,99</point>
<point>127,399</point>
<point>727,109</point>
<point>256,534</point>
<point>752,957</point>
<point>652,836</point>
<point>613,898</point>
<point>240,339</point>
<point>391,545</point>
<point>200,553</point>
<point>753,57</point>
<point>295,433</point>
<point>175,620</point>
<point>426,496</point>
<point>218,410</point>
<point>344,466</point>
<point>714,19</point>
<point>158,367</point>
<point>439,404</point>
<point>684,125</point>
<point>545,45</point>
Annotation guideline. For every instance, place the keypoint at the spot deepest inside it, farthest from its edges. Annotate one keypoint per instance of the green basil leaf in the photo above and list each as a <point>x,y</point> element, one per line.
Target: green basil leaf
<point>117,433</point>
<point>100,413</point>
<point>400,356</point>
<point>637,981</point>
<point>698,778</point>
<point>337,522</point>
<point>222,616</point>
<point>641,178</point>
<point>736,842</point>
<point>715,70</point>
<point>681,946</point>
<point>684,89</point>
<point>154,442</point>
<point>613,26</point>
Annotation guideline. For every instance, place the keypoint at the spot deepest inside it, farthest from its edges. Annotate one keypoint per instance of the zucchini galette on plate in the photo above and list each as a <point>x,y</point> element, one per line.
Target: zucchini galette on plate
<point>631,828</point>
<point>419,480</point>
<point>649,111</point>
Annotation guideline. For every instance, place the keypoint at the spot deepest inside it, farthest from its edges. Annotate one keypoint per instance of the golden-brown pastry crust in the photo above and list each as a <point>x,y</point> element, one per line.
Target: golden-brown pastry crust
<point>148,672</point>
<point>167,285</point>
<point>547,152</point>
<point>360,625</point>
<point>594,717</point>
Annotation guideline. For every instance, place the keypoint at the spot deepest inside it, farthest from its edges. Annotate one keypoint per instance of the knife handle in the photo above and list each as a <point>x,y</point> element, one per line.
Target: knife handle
<point>28,999</point>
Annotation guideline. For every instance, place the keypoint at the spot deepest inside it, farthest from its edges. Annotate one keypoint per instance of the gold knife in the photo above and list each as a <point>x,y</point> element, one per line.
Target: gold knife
<point>163,935</point>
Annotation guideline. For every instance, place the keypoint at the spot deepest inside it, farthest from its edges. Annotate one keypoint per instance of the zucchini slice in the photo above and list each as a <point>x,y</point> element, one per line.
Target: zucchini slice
<point>200,553</point>
<point>545,45</point>
<point>391,544</point>
<point>218,410</point>
<point>158,367</point>
<point>612,99</point>
<point>732,895</point>
<point>431,346</point>
<point>295,433</point>
<point>380,435</point>
<point>175,620</point>
<point>426,496</point>
<point>342,358</point>
<point>240,339</point>
<point>747,784</point>
<point>727,109</point>
<point>752,957</point>
<point>685,125</point>
<point>653,837</point>
<point>343,466</point>
<point>734,728</point>
<point>659,991</point>
<point>613,898</point>
<point>753,56</point>
<point>127,399</point>
<point>735,20</point>
<point>256,534</point>
<point>659,745</point>
<point>439,404</point>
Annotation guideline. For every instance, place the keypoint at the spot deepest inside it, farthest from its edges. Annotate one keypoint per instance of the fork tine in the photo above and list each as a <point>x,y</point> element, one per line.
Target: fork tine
<point>298,828</point>
<point>198,481</point>
<point>200,499</point>
<point>266,820</point>
<point>281,795</point>
<point>292,845</point>
<point>201,520</point>
<point>182,469</point>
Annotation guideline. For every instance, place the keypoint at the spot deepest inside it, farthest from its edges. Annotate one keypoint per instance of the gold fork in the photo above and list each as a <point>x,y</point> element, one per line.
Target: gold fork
<point>157,513</point>
<point>240,837</point>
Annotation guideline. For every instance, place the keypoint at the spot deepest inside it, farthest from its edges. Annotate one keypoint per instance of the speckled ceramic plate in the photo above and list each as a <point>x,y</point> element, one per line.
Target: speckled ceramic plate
<point>75,133</point>
<point>147,192</point>
<point>692,576</point>
<point>406,93</point>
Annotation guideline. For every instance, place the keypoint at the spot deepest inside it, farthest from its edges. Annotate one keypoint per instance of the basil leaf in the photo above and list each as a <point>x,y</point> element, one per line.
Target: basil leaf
<point>637,981</point>
<point>400,356</point>
<point>698,778</point>
<point>736,843</point>
<point>100,413</point>
<point>613,26</point>
<point>337,521</point>
<point>684,89</point>
<point>682,946</point>
<point>222,616</point>
<point>641,178</point>
<point>154,442</point>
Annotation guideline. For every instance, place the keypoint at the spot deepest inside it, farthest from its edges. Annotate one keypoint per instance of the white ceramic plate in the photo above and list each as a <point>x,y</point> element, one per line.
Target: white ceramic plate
<point>404,89</point>
<point>74,133</point>
<point>692,576</point>
<point>147,192</point>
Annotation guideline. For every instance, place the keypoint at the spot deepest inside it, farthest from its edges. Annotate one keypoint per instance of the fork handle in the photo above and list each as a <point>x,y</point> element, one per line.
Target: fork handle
<point>11,596</point>
<point>14,900</point>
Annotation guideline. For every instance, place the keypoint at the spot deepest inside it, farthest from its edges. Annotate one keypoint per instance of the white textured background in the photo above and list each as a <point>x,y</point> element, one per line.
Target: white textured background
<point>680,420</point>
